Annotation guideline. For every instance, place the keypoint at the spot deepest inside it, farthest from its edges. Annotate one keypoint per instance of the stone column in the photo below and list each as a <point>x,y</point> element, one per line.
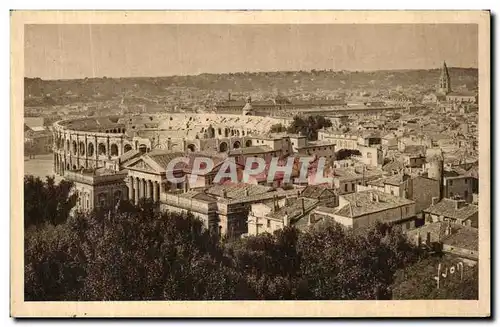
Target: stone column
<point>156,193</point>
<point>130,185</point>
<point>148,189</point>
<point>108,152</point>
<point>136,190</point>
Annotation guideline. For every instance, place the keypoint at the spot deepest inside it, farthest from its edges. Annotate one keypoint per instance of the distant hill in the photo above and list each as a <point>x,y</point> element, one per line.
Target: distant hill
<point>49,92</point>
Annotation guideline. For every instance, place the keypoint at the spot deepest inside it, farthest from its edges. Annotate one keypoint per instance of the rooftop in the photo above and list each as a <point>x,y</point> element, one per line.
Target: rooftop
<point>448,208</point>
<point>369,201</point>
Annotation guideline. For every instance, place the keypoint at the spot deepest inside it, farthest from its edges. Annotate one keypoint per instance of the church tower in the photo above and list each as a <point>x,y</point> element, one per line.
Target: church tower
<point>444,80</point>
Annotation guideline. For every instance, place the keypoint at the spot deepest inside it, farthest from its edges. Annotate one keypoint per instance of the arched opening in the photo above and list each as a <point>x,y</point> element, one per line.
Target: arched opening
<point>127,148</point>
<point>223,147</point>
<point>101,149</point>
<point>232,132</point>
<point>236,145</point>
<point>114,149</point>
<point>90,149</point>
<point>114,131</point>
<point>248,143</point>
<point>237,132</point>
<point>191,147</point>
<point>219,131</point>
<point>74,147</point>
<point>67,146</point>
<point>74,167</point>
<point>143,148</point>
<point>82,148</point>
<point>68,167</point>
<point>226,132</point>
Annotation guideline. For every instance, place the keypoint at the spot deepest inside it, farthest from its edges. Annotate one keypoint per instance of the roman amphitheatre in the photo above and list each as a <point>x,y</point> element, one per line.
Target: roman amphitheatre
<point>87,143</point>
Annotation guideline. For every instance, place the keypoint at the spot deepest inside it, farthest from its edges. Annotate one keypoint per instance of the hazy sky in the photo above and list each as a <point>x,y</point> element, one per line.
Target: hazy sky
<point>78,51</point>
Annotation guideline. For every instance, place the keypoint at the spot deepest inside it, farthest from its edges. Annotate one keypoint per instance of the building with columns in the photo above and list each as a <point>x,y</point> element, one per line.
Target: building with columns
<point>147,175</point>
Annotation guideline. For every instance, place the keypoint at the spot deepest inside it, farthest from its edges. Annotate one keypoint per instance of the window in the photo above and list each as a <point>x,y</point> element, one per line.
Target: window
<point>408,225</point>
<point>466,194</point>
<point>466,181</point>
<point>369,155</point>
<point>345,187</point>
<point>451,183</point>
<point>268,223</point>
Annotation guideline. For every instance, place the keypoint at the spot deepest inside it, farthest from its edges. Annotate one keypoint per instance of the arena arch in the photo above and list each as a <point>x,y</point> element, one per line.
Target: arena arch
<point>223,147</point>
<point>82,148</point>
<point>236,145</point>
<point>248,143</point>
<point>127,148</point>
<point>90,149</point>
<point>114,149</point>
<point>143,148</point>
<point>101,149</point>
<point>74,147</point>
<point>192,147</point>
<point>67,146</point>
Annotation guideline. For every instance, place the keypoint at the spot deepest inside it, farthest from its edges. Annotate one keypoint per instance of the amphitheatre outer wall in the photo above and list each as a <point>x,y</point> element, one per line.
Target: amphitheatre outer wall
<point>91,142</point>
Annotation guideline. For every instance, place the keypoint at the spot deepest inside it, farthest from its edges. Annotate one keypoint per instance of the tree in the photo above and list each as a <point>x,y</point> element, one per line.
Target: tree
<point>47,202</point>
<point>54,264</point>
<point>342,264</point>
<point>309,126</point>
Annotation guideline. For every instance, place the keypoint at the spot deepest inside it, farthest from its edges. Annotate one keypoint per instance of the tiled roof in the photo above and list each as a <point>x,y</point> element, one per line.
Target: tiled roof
<point>316,191</point>
<point>163,157</point>
<point>252,150</point>
<point>294,208</point>
<point>460,236</point>
<point>235,191</point>
<point>447,208</point>
<point>362,203</point>
<point>465,238</point>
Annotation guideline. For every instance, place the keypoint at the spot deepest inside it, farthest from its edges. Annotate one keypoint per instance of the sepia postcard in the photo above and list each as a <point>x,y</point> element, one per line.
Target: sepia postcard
<point>250,164</point>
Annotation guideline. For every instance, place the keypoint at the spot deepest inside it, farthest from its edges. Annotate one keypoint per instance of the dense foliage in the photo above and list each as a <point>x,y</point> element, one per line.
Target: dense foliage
<point>47,202</point>
<point>308,126</point>
<point>137,253</point>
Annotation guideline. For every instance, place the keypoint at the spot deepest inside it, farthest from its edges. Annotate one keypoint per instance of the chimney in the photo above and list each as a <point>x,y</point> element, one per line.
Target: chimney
<point>448,228</point>
<point>286,222</point>
<point>311,220</point>
<point>459,204</point>
<point>302,206</point>
<point>428,239</point>
<point>435,200</point>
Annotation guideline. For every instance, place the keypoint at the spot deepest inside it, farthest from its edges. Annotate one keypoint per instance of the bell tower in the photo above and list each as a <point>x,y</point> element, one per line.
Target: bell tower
<point>444,80</point>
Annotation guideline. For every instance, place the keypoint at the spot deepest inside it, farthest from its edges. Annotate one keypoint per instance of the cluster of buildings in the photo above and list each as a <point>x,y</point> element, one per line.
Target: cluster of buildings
<point>417,171</point>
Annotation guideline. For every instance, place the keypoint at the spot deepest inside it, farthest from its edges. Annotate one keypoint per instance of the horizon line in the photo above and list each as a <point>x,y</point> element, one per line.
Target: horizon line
<point>248,72</point>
